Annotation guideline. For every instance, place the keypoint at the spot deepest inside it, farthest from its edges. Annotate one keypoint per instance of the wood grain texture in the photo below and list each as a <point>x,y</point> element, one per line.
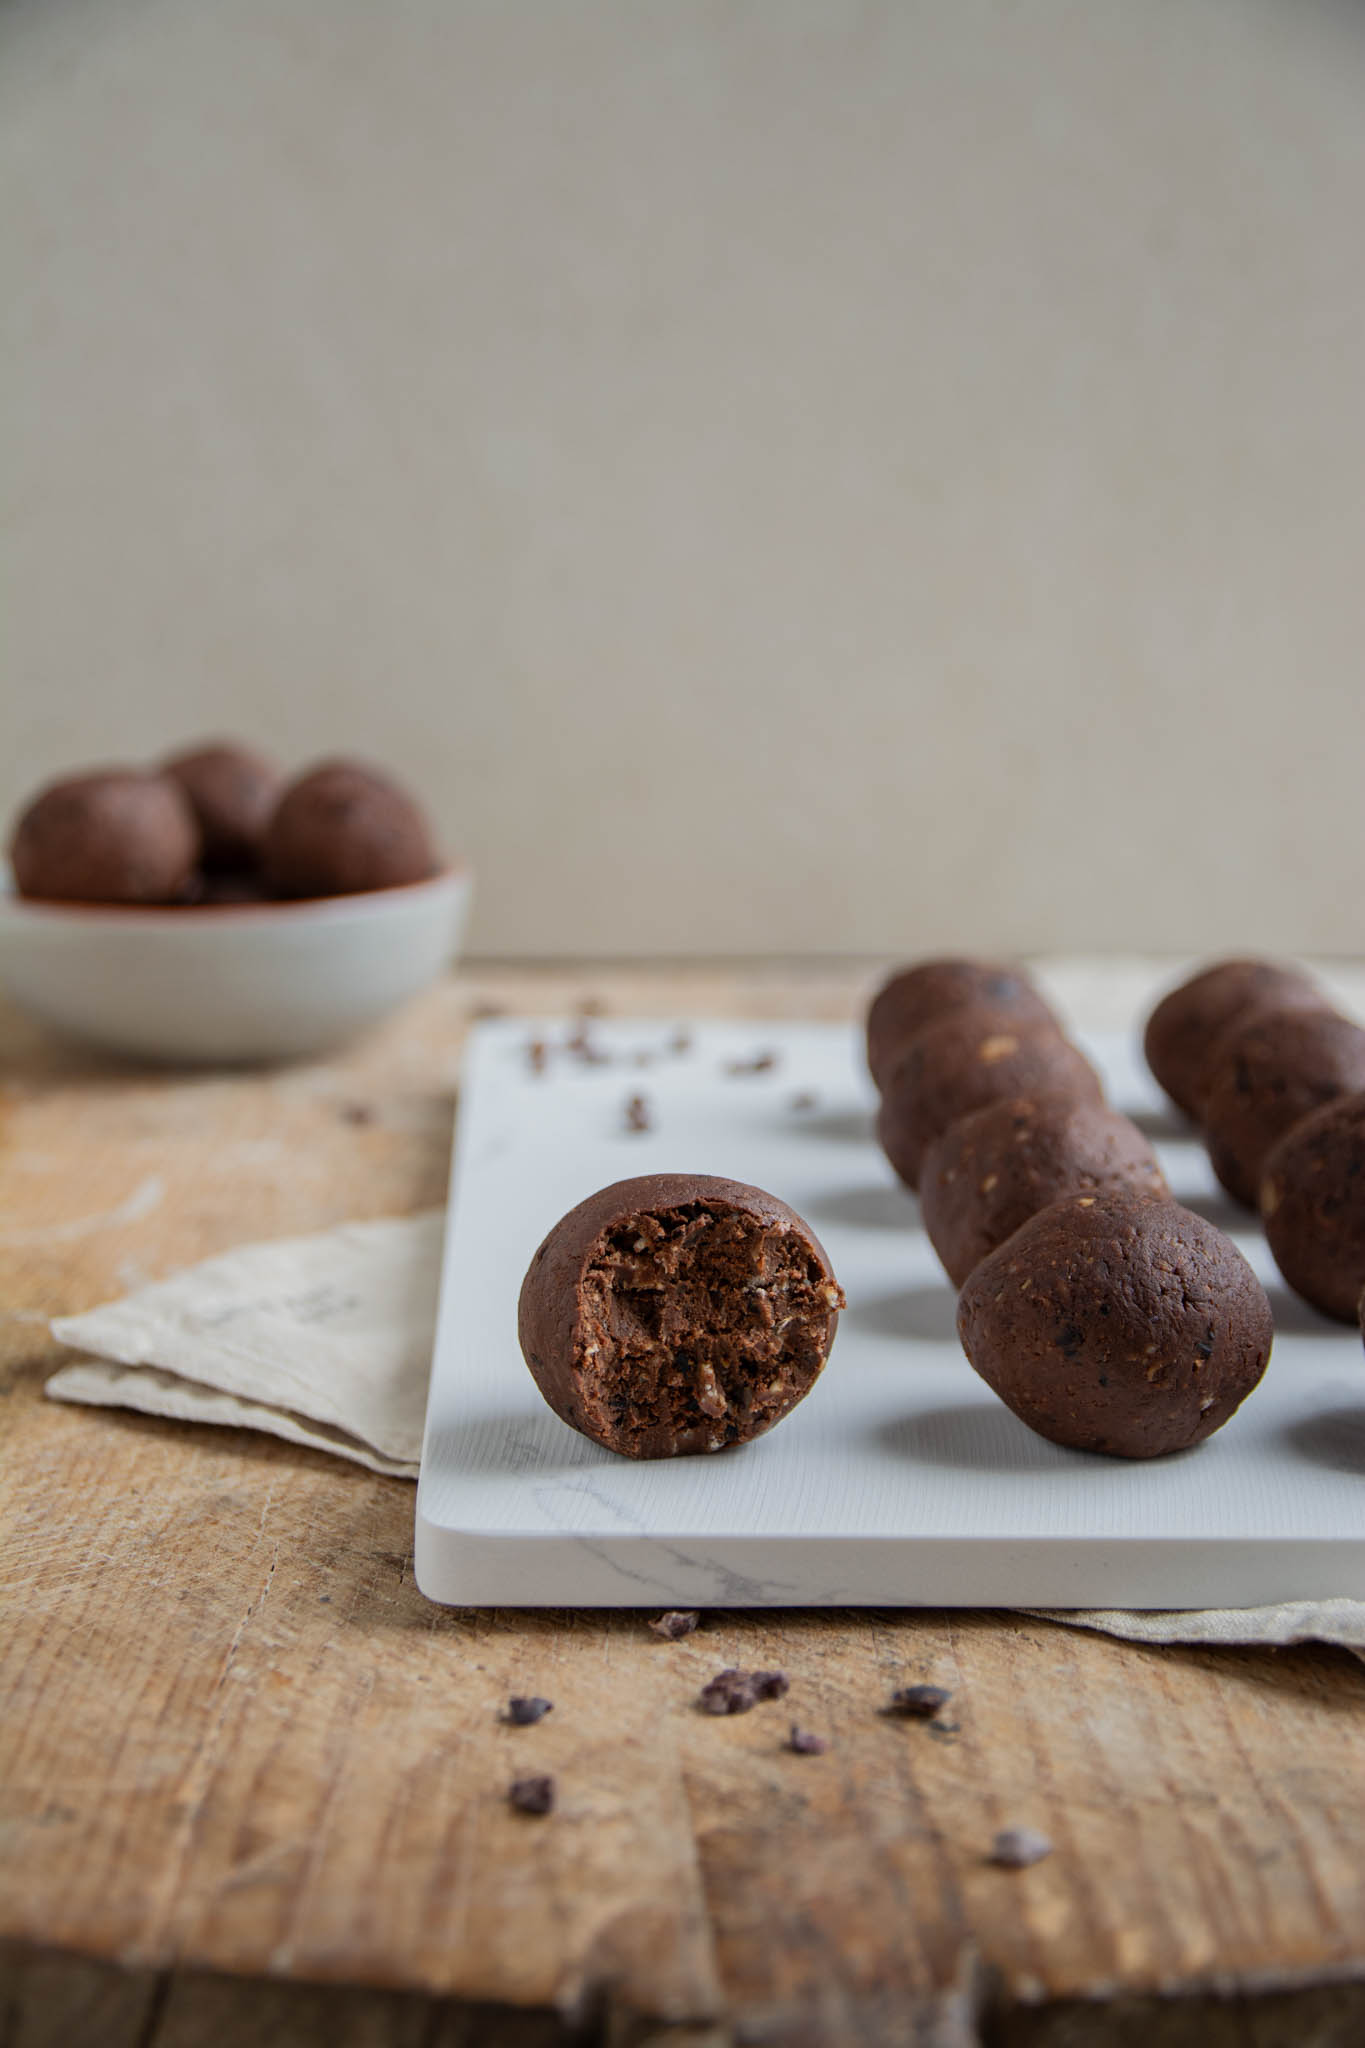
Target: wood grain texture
<point>234,1738</point>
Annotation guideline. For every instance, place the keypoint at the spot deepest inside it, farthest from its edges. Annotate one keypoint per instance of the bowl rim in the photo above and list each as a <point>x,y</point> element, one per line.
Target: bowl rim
<point>335,909</point>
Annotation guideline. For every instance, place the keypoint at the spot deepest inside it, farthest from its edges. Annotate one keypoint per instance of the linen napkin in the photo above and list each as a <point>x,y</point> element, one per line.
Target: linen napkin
<point>326,1341</point>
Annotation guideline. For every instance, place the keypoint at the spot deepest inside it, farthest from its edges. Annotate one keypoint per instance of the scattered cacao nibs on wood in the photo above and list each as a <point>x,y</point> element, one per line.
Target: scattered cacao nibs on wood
<point>1016,1848</point>
<point>805,1100</point>
<point>532,1795</point>
<point>729,1692</point>
<point>537,1053</point>
<point>918,1702</point>
<point>735,1692</point>
<point>761,1063</point>
<point>806,1744</point>
<point>637,1114</point>
<point>524,1712</point>
<point>676,1623</point>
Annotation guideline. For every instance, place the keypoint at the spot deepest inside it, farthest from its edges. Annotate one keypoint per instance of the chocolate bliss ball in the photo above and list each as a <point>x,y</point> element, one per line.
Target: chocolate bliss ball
<point>919,995</point>
<point>115,835</point>
<point>1271,1072</point>
<point>232,792</point>
<point>677,1313</point>
<point>342,829</point>
<point>1117,1323</point>
<point>1186,1024</point>
<point>962,1062</point>
<point>1313,1206</point>
<point>990,1171</point>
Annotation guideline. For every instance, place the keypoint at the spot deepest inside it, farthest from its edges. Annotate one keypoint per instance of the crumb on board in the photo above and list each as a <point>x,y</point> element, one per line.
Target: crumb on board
<point>537,1053</point>
<point>804,1743</point>
<point>637,1117</point>
<point>761,1063</point>
<point>1017,1848</point>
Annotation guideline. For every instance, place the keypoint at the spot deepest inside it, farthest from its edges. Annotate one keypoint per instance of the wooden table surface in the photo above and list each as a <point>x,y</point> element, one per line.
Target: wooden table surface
<point>246,1768</point>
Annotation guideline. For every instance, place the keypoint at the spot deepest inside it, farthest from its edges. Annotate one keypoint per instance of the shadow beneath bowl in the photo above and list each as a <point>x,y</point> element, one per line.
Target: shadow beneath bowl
<point>927,1314</point>
<point>1335,1439</point>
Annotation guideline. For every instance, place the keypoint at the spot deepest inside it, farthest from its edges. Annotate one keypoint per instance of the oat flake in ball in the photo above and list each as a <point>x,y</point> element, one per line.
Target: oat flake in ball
<point>677,1313</point>
<point>1119,1323</point>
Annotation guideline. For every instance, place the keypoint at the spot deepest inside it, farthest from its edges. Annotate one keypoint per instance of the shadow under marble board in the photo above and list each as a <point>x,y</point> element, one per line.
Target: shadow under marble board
<point>900,1480</point>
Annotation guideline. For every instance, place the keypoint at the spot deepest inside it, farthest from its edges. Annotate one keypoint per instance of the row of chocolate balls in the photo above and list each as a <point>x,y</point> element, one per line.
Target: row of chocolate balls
<point>218,823</point>
<point>1274,1077</point>
<point>1107,1316</point>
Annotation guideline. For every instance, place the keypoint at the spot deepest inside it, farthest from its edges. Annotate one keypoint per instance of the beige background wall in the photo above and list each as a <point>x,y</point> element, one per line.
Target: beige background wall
<point>777,476</point>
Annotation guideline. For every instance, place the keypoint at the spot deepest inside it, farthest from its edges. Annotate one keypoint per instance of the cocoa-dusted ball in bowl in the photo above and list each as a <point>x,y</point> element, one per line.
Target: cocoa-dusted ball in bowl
<point>1270,1072</point>
<point>232,791</point>
<point>1183,1030</point>
<point>677,1313</point>
<point>1117,1322</point>
<point>343,829</point>
<point>1312,1199</point>
<point>920,995</point>
<point>114,836</point>
<point>964,1061</point>
<point>990,1171</point>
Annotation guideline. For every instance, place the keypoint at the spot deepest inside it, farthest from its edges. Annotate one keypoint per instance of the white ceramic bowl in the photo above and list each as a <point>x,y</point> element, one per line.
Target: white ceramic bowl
<point>239,982</point>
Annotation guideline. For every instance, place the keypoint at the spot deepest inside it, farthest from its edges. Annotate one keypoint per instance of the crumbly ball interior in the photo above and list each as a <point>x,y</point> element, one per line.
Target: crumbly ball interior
<point>700,1324</point>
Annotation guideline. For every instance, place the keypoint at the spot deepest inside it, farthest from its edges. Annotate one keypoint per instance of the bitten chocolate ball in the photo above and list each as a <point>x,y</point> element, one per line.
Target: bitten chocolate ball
<point>961,1063</point>
<point>677,1313</point>
<point>992,1170</point>
<point>1313,1206</point>
<point>1114,1322</point>
<point>113,836</point>
<point>342,829</point>
<point>1274,1070</point>
<point>1186,1024</point>
<point>920,995</point>
<point>232,792</point>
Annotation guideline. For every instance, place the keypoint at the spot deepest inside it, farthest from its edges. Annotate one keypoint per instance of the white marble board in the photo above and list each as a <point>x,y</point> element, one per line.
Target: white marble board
<point>901,1480</point>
